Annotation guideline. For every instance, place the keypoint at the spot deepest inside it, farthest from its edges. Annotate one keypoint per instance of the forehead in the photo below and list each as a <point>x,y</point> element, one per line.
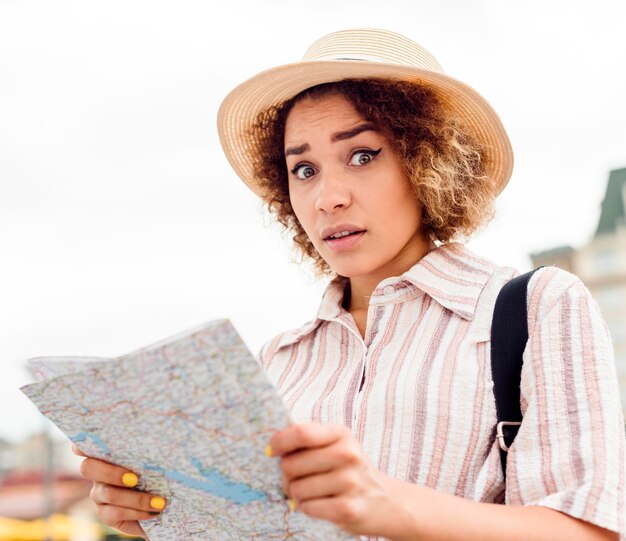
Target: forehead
<point>327,113</point>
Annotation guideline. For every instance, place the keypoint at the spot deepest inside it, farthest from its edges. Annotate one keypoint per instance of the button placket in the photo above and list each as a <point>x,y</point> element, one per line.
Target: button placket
<point>367,342</point>
<point>358,337</point>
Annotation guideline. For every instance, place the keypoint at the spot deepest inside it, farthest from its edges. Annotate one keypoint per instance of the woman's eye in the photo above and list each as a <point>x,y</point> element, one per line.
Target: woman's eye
<point>363,157</point>
<point>303,171</point>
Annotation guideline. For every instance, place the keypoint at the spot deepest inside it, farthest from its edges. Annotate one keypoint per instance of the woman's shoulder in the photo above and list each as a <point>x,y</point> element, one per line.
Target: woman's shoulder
<point>285,339</point>
<point>548,288</point>
<point>329,309</point>
<point>551,287</point>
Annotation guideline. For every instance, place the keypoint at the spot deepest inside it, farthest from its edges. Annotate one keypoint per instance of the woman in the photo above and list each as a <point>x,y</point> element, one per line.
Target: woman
<point>377,162</point>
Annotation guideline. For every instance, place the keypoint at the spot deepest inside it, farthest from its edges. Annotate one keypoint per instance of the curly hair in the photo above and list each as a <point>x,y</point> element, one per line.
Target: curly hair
<point>444,165</point>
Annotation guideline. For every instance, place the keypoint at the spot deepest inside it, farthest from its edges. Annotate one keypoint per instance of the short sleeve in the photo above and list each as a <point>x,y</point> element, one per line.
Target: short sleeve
<point>569,454</point>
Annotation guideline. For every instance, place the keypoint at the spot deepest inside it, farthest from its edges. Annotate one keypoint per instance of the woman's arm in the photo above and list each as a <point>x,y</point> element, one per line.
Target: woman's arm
<point>440,516</point>
<point>328,476</point>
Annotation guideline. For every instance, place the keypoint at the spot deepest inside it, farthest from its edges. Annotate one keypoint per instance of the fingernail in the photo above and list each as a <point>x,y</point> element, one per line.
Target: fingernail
<point>268,451</point>
<point>130,479</point>
<point>154,513</point>
<point>157,502</point>
<point>292,505</point>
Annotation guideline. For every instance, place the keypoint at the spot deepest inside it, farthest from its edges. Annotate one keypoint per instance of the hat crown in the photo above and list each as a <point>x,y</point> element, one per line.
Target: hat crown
<point>372,45</point>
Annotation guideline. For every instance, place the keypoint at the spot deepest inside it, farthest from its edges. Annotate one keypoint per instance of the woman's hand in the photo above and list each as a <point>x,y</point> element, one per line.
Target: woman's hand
<point>328,476</point>
<point>117,503</point>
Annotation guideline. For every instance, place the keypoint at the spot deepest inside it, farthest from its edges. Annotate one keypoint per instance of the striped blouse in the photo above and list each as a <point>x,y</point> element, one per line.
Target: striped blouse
<point>417,391</point>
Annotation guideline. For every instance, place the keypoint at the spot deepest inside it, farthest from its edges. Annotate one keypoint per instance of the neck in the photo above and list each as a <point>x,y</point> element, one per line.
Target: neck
<point>362,287</point>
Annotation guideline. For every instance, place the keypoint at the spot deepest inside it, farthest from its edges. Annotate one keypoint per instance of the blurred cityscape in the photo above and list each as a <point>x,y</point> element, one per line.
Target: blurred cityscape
<point>43,497</point>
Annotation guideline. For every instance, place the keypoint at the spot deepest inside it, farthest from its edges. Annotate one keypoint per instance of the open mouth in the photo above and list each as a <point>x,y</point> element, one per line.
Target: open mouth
<point>342,234</point>
<point>345,241</point>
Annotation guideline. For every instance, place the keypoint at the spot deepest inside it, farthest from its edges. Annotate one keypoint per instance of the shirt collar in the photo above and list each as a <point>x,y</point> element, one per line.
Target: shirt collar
<point>451,274</point>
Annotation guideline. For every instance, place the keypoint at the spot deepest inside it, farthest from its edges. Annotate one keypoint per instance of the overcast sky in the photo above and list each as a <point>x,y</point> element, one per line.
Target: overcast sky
<point>120,220</point>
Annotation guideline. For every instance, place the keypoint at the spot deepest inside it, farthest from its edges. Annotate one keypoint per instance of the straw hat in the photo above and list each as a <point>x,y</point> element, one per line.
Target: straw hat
<point>359,53</point>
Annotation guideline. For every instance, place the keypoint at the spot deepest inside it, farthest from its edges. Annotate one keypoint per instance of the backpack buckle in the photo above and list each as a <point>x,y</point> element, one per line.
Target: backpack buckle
<point>500,436</point>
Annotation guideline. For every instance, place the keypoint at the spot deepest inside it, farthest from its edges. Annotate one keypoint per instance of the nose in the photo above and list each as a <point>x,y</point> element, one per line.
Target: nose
<point>332,192</point>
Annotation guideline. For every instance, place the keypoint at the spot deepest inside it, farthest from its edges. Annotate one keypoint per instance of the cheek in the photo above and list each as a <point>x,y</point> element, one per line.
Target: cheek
<point>403,209</point>
<point>299,206</point>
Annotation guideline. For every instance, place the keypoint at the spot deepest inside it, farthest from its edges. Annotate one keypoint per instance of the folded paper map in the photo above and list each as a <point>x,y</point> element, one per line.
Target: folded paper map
<point>191,416</point>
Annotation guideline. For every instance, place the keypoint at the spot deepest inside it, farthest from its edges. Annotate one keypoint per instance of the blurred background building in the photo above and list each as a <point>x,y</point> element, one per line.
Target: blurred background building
<point>42,495</point>
<point>601,265</point>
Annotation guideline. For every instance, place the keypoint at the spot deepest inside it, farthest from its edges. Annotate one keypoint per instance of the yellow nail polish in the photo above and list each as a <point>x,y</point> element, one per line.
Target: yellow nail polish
<point>157,503</point>
<point>130,479</point>
<point>268,450</point>
<point>292,505</point>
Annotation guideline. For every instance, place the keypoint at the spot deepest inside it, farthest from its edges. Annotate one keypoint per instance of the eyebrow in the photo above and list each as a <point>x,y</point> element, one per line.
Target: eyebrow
<point>339,136</point>
<point>297,150</point>
<point>343,135</point>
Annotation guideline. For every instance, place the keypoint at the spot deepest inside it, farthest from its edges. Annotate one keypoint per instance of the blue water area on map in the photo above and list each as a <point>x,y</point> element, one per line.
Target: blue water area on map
<point>214,483</point>
<point>82,436</point>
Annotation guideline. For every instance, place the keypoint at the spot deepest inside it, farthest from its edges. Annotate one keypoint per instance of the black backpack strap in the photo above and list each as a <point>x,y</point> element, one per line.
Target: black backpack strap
<point>509,334</point>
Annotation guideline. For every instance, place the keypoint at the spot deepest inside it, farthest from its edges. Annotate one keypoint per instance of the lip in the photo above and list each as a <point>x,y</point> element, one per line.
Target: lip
<point>328,231</point>
<point>343,243</point>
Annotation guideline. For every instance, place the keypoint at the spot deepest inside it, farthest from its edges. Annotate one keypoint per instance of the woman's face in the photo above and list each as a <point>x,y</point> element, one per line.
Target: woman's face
<point>349,191</point>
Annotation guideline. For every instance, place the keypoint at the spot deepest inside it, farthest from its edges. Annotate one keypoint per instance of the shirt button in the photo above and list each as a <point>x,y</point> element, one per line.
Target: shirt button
<point>388,290</point>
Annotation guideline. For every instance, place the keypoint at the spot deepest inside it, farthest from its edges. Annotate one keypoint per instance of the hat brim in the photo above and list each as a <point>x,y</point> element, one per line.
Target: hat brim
<point>242,105</point>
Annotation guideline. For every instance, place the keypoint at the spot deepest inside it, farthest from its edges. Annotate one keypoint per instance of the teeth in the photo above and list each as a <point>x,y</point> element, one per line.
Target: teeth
<point>342,234</point>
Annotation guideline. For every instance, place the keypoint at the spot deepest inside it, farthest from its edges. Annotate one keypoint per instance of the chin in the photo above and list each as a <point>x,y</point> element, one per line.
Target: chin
<point>351,268</point>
